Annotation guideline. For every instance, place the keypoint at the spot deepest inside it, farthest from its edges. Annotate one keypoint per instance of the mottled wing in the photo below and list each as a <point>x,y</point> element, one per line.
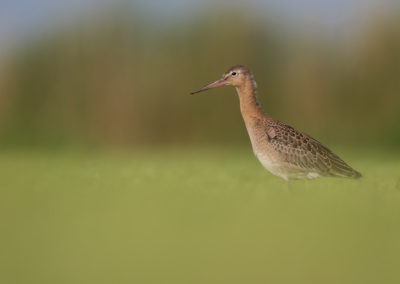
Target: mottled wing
<point>304,152</point>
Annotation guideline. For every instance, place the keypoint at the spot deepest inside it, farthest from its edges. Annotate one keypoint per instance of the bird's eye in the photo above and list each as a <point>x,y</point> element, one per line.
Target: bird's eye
<point>233,73</point>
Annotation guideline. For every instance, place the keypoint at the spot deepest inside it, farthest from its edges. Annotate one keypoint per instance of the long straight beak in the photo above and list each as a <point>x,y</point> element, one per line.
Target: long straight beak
<point>215,84</point>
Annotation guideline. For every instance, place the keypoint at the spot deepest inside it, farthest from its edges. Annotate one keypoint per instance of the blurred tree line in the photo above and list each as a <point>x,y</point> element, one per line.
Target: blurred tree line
<point>117,80</point>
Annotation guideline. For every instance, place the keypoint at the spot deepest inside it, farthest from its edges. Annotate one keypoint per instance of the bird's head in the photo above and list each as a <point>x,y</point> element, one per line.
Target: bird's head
<point>235,76</point>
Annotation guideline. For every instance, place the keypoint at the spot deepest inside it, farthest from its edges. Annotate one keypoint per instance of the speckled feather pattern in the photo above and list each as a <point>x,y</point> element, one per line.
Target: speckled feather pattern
<point>293,154</point>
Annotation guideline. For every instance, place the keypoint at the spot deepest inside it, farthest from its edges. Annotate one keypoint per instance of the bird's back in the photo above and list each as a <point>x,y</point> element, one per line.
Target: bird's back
<point>291,154</point>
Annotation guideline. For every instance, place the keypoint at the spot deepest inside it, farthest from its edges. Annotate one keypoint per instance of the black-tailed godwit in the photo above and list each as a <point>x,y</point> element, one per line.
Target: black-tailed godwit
<point>281,149</point>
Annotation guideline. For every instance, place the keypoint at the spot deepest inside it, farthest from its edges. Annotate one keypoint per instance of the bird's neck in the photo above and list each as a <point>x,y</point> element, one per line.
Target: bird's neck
<point>249,105</point>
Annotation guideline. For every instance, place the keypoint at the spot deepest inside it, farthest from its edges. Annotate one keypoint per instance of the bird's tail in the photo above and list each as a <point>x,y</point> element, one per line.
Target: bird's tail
<point>357,175</point>
<point>341,169</point>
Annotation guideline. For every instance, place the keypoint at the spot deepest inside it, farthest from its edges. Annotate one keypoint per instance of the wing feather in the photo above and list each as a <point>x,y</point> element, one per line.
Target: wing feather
<point>303,151</point>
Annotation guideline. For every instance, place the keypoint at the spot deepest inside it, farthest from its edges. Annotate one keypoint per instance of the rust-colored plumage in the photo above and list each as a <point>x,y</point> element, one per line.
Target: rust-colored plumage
<point>281,149</point>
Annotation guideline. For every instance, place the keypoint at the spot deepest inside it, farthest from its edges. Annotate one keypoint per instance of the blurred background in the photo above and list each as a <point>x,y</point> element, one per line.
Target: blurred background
<point>96,73</point>
<point>111,173</point>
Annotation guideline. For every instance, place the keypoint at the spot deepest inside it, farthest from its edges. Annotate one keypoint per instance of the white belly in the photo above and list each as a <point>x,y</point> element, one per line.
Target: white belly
<point>276,168</point>
<point>271,165</point>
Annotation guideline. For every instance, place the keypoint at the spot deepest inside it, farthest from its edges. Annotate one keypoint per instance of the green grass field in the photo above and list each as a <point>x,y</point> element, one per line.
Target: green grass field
<point>194,216</point>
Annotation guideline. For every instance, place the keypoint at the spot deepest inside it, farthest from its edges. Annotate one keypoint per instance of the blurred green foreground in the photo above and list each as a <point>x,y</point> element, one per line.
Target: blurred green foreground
<point>194,216</point>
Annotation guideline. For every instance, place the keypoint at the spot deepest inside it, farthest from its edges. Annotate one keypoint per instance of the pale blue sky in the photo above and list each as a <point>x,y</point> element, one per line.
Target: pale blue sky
<point>23,18</point>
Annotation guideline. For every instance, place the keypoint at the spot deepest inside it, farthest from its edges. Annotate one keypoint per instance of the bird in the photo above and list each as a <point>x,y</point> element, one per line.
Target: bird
<point>283,150</point>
